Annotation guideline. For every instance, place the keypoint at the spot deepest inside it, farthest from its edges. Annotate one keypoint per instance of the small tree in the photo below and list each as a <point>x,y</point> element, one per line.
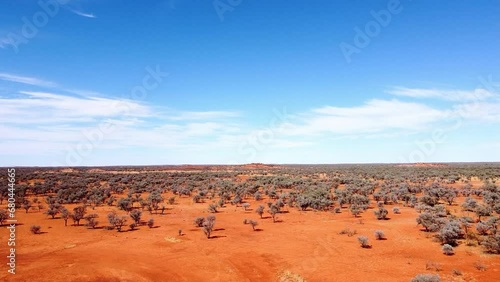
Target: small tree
<point>245,206</point>
<point>379,235</point>
<point>27,205</point>
<point>260,210</point>
<point>132,226</point>
<point>208,225</point>
<point>199,221</point>
<point>136,216</point>
<point>35,229</point>
<point>396,210</point>
<point>212,208</point>
<point>91,220</point>
<point>53,210</point>
<point>125,204</point>
<point>273,210</point>
<point>447,249</point>
<point>381,213</point>
<point>117,221</point>
<point>482,210</point>
<point>492,244</point>
<point>171,200</point>
<point>151,223</point>
<point>65,215</point>
<point>78,214</point>
<point>3,216</point>
<point>355,210</point>
<point>363,240</point>
<point>253,223</point>
<point>450,232</point>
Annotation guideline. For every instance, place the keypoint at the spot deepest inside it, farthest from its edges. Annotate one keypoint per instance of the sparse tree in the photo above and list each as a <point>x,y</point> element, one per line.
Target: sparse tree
<point>35,229</point>
<point>78,214</point>
<point>260,210</point>
<point>253,223</point>
<point>482,210</point>
<point>4,215</point>
<point>91,220</point>
<point>171,200</point>
<point>136,216</point>
<point>208,225</point>
<point>469,204</point>
<point>117,221</point>
<point>355,210</point>
<point>492,244</point>
<point>125,204</point>
<point>273,210</point>
<point>199,221</point>
<point>212,208</point>
<point>65,215</point>
<point>381,213</point>
<point>379,235</point>
<point>27,205</point>
<point>363,240</point>
<point>450,232</point>
<point>151,223</point>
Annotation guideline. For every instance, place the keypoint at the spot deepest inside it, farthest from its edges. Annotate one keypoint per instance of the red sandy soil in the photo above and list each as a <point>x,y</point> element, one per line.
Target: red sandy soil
<point>305,243</point>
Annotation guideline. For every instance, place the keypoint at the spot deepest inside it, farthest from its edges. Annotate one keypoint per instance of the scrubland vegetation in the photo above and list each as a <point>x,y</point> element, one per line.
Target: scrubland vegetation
<point>456,205</point>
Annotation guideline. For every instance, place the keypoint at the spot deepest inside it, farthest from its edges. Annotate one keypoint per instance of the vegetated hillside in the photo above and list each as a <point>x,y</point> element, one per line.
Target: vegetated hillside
<point>258,222</point>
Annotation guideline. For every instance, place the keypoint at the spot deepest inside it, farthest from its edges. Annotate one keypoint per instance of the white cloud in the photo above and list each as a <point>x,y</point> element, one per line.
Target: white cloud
<point>450,95</point>
<point>481,111</point>
<point>203,115</point>
<point>27,80</point>
<point>375,116</point>
<point>45,107</point>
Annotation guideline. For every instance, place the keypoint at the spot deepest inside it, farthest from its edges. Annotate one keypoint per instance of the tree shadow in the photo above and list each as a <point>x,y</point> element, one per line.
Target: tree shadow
<point>258,229</point>
<point>219,229</point>
<point>217,236</point>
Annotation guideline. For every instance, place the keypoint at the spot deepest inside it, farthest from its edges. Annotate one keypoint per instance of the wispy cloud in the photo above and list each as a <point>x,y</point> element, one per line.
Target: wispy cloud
<point>444,94</point>
<point>80,13</point>
<point>375,116</point>
<point>203,115</point>
<point>46,107</point>
<point>27,80</point>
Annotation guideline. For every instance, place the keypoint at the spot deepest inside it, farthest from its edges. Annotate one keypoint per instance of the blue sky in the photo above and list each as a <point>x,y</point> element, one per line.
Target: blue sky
<point>229,82</point>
